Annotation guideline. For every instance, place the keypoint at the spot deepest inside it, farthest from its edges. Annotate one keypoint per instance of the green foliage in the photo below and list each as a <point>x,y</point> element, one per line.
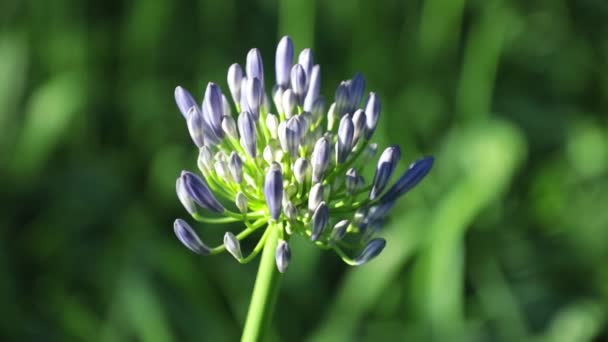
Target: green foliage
<point>506,239</point>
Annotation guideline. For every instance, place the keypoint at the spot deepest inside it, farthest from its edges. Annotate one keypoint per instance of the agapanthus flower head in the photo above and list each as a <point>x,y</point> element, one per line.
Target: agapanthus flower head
<point>292,167</point>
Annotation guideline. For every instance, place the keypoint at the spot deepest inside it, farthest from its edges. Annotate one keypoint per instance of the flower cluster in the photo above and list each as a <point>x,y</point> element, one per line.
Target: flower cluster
<point>296,168</point>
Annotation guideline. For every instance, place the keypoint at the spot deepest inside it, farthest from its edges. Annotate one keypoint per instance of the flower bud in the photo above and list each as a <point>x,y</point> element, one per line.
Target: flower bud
<point>332,117</point>
<point>320,159</point>
<point>196,126</point>
<point>386,166</point>
<point>282,255</point>
<point>339,230</point>
<point>290,211</point>
<point>305,59</point>
<point>277,98</point>
<point>235,76</point>
<point>272,123</point>
<point>313,88</point>
<point>254,66</point>
<point>298,82</point>
<point>204,158</point>
<point>345,139</point>
<point>213,110</point>
<point>289,101</point>
<point>414,174</point>
<point>199,191</point>
<point>283,61</point>
<point>273,190</point>
<point>300,169</point>
<point>229,127</point>
<point>221,169</point>
<point>372,112</point>
<point>292,135</point>
<point>235,165</point>
<point>184,101</point>
<point>184,197</point>
<point>342,98</point>
<point>315,196</point>
<point>255,96</point>
<point>320,218</point>
<point>359,124</point>
<point>247,129</point>
<point>241,202</point>
<point>188,237</point>
<point>370,251</point>
<point>233,246</point>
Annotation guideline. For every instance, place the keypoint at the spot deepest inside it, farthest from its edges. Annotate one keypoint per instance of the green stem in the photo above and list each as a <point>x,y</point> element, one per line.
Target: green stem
<point>264,291</point>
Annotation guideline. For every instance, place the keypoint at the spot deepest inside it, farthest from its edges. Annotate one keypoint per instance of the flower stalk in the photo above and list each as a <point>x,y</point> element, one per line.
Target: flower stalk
<point>265,291</point>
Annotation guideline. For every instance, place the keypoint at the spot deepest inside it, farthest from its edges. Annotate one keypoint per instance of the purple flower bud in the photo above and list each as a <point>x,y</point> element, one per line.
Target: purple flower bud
<point>188,237</point>
<point>370,251</point>
<point>320,159</point>
<point>233,246</point>
<point>283,61</point>
<point>372,112</point>
<point>339,230</point>
<point>300,169</point>
<point>241,202</point>
<point>282,255</point>
<point>386,166</point>
<point>199,191</point>
<point>254,96</point>
<point>184,197</point>
<point>320,218</point>
<point>314,85</point>
<point>246,125</point>
<point>342,98</point>
<point>298,81</point>
<point>344,144</point>
<point>243,103</point>
<point>306,61</point>
<point>235,165</point>
<point>315,197</point>
<point>357,87</point>
<point>273,190</point>
<point>184,101</point>
<point>292,135</point>
<point>235,76</point>
<point>213,111</point>
<point>255,67</point>
<point>196,126</point>
<point>414,174</point>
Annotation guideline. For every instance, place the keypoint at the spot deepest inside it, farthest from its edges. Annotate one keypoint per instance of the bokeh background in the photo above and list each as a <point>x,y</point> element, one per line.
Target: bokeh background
<point>506,240</point>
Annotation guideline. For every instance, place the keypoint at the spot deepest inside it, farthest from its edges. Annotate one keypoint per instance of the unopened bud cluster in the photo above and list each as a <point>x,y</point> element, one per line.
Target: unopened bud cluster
<point>287,162</point>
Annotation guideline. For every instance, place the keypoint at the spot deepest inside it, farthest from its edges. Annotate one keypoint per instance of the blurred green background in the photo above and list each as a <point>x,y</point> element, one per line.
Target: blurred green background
<point>506,240</point>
